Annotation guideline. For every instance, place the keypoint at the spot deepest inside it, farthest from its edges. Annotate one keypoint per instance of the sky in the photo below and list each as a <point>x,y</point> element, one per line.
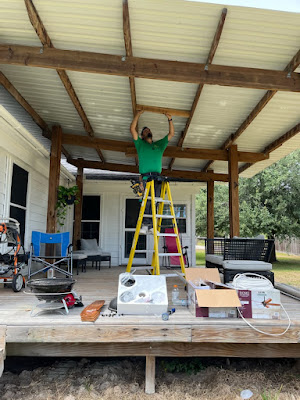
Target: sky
<point>280,5</point>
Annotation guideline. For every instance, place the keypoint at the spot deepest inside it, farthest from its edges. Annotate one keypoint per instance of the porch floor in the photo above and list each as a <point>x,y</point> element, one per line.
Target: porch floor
<point>183,335</point>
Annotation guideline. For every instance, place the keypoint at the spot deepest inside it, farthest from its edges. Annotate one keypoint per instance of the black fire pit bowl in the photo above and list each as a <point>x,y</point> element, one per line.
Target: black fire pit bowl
<point>44,287</point>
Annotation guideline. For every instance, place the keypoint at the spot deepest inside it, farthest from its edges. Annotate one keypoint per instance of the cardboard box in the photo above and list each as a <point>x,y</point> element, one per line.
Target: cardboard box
<point>211,299</point>
<point>262,304</point>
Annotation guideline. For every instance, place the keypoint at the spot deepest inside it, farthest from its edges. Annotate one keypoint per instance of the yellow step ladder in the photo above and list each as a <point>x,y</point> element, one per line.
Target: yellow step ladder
<point>149,194</point>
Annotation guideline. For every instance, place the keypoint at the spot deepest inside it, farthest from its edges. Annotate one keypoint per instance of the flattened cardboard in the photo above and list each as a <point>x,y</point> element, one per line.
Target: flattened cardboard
<point>217,298</point>
<point>211,274</point>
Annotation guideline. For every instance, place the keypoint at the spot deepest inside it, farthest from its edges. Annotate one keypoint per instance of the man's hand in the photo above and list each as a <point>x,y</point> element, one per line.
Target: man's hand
<point>169,116</point>
<point>171,126</point>
<point>139,113</point>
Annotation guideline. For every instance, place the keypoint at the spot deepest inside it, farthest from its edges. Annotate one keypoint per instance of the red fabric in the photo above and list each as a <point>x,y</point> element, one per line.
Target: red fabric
<point>172,248</point>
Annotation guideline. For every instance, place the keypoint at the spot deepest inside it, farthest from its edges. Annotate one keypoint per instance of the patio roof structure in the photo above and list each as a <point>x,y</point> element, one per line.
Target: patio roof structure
<point>230,78</point>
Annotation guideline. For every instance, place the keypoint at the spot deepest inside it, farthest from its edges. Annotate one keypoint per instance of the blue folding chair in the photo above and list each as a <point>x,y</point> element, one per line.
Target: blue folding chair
<point>52,250</point>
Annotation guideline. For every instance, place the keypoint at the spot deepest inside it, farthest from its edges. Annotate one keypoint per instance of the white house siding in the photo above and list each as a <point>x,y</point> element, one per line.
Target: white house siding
<point>16,148</point>
<point>113,195</point>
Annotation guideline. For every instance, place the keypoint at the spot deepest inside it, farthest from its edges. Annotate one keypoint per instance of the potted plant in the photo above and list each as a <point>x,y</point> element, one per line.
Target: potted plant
<point>66,196</point>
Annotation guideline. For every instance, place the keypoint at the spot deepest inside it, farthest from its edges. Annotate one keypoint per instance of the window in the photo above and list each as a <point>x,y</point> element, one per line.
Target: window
<point>131,217</point>
<point>90,221</point>
<point>18,197</point>
<point>180,214</point>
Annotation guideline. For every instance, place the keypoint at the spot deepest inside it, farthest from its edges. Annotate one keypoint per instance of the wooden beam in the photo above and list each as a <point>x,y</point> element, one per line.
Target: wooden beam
<point>209,60</point>
<point>150,375</point>
<point>175,71</point>
<point>234,218</point>
<point>164,110</point>
<point>210,210</point>
<point>54,173</point>
<point>41,31</point>
<point>181,174</point>
<point>78,208</point>
<point>171,151</point>
<point>276,144</point>
<point>291,66</point>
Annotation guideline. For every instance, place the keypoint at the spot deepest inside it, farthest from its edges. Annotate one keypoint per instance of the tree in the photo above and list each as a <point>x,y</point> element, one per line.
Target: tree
<point>269,202</point>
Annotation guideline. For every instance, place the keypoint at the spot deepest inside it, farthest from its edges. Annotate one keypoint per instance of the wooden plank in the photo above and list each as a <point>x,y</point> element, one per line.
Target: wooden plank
<point>244,334</point>
<point>54,174</point>
<point>291,66</point>
<point>164,110</point>
<point>209,60</point>
<point>171,151</point>
<point>234,218</point>
<point>241,350</point>
<point>175,71</point>
<point>210,210</point>
<point>78,208</point>
<point>150,375</point>
<point>2,348</point>
<point>37,24</point>
<point>90,333</point>
<point>192,175</point>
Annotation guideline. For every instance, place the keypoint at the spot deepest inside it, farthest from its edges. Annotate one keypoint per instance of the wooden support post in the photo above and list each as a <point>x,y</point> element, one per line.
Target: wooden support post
<point>210,209</point>
<point>150,375</point>
<point>233,171</point>
<point>2,348</point>
<point>78,208</point>
<point>54,173</point>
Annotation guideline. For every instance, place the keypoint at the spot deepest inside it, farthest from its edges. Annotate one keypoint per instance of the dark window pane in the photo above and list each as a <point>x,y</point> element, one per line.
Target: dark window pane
<point>91,208</point>
<point>141,245</point>
<point>167,223</point>
<point>90,230</point>
<point>19,186</point>
<point>132,212</point>
<point>20,215</point>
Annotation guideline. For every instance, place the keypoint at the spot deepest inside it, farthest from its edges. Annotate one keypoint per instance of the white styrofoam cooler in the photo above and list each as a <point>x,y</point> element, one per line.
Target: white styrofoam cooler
<point>142,294</point>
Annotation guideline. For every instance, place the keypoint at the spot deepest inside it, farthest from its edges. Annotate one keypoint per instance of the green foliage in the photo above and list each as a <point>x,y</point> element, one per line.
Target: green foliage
<point>187,365</point>
<point>64,196</point>
<point>268,396</point>
<point>269,202</point>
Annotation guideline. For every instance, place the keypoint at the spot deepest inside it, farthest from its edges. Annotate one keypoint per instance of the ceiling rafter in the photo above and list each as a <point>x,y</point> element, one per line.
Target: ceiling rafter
<point>174,71</point>
<point>209,60</point>
<point>276,144</point>
<point>46,131</point>
<point>41,31</point>
<point>291,66</point>
<point>193,175</point>
<point>128,48</point>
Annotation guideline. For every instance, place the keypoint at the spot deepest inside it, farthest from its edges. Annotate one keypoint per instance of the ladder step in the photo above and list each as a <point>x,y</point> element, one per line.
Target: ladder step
<point>143,251</point>
<point>141,268</point>
<point>160,200</point>
<point>159,216</point>
<point>169,254</point>
<point>167,234</point>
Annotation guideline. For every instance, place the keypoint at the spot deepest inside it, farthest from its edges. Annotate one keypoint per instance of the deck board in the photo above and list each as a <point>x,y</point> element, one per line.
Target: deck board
<point>182,327</point>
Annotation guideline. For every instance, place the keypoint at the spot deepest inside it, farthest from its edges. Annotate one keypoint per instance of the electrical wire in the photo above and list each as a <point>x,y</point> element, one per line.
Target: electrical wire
<point>252,281</point>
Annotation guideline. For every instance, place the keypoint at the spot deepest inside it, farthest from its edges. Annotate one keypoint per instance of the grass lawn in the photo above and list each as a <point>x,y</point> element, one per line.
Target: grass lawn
<point>286,269</point>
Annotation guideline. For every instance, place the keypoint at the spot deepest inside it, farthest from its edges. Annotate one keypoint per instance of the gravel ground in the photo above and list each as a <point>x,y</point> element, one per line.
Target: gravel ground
<point>103,379</point>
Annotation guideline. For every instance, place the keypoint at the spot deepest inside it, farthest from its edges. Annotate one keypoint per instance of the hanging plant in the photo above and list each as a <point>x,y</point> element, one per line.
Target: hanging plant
<point>65,197</point>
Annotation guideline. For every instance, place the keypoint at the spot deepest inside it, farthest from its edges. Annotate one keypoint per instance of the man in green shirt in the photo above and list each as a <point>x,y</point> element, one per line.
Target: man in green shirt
<point>150,155</point>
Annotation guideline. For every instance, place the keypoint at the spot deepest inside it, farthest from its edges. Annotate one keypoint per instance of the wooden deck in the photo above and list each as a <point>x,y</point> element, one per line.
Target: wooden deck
<point>183,335</point>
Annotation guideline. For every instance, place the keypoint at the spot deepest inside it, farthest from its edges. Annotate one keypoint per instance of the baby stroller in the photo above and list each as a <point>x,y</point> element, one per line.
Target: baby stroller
<point>11,265</point>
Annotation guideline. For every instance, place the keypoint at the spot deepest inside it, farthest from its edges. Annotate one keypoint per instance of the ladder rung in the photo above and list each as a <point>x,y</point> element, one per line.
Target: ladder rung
<point>159,216</point>
<point>167,234</point>
<point>143,251</point>
<point>160,200</point>
<point>141,268</point>
<point>169,254</point>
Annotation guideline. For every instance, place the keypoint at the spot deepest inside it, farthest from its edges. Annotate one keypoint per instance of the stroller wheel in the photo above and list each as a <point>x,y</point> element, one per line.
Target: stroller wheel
<point>17,282</point>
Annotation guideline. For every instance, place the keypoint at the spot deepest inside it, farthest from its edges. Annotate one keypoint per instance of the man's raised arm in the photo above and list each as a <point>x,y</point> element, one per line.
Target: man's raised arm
<point>171,127</point>
<point>133,125</point>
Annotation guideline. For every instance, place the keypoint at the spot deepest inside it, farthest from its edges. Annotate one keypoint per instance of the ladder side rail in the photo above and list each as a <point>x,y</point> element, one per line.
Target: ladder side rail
<point>176,229</point>
<point>138,227</point>
<point>156,270</point>
<point>159,212</point>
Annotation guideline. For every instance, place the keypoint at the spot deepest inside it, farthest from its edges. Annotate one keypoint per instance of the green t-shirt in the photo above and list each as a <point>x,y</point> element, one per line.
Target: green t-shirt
<point>150,155</point>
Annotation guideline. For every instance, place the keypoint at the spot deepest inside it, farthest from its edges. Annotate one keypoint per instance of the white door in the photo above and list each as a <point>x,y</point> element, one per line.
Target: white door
<point>131,211</point>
